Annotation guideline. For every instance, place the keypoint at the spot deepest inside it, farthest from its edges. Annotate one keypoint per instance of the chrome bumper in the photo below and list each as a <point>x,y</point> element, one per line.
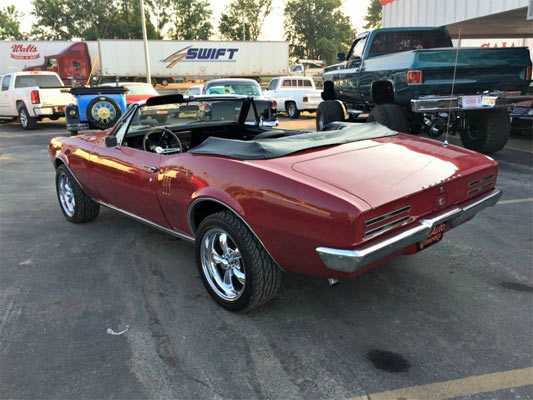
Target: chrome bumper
<point>353,260</point>
<point>454,103</point>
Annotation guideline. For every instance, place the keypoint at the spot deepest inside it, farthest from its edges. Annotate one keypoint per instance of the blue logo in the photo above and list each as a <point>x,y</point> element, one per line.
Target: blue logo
<point>201,54</point>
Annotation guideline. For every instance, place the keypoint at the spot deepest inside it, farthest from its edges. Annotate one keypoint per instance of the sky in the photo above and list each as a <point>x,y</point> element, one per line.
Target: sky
<point>272,28</point>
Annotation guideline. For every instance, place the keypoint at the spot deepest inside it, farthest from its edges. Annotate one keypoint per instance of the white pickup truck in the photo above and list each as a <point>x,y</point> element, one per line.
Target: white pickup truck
<point>31,96</point>
<point>293,94</point>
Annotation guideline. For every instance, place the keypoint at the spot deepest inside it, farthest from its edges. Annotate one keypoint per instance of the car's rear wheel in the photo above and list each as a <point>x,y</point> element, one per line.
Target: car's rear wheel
<point>328,111</point>
<point>26,122</point>
<point>76,206</point>
<point>292,110</point>
<point>390,115</point>
<point>486,131</point>
<point>236,270</point>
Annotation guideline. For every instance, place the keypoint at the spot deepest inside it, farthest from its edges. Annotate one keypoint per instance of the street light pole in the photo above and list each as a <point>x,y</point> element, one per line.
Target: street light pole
<point>146,53</point>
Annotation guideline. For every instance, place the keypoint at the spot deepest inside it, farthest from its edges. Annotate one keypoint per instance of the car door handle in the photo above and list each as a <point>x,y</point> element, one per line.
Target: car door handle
<point>150,168</point>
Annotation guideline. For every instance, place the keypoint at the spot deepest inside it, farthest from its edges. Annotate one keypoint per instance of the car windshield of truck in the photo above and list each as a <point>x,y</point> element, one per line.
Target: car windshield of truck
<point>395,42</point>
<point>246,89</point>
<point>42,81</point>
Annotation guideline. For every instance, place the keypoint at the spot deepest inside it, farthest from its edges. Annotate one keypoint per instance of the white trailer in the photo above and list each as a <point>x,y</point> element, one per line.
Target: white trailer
<point>193,59</point>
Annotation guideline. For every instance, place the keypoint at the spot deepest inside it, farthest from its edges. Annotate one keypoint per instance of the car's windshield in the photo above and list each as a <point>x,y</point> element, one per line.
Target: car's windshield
<point>42,81</point>
<point>247,89</point>
<point>194,112</point>
<point>141,89</point>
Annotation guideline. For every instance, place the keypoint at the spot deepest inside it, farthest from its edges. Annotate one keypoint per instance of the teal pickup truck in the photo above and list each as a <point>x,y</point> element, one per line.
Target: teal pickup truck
<point>413,80</point>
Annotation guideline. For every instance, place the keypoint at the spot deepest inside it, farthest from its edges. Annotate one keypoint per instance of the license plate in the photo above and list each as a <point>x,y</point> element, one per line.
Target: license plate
<point>436,235</point>
<point>471,101</point>
<point>488,101</point>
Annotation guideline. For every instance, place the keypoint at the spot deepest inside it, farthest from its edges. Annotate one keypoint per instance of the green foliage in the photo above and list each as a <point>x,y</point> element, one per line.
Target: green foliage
<point>190,20</point>
<point>373,15</point>
<point>89,20</point>
<point>10,24</point>
<point>317,29</point>
<point>251,12</point>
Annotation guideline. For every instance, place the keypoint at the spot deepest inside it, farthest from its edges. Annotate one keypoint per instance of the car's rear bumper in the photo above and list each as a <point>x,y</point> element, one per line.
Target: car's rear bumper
<point>352,260</point>
<point>456,103</point>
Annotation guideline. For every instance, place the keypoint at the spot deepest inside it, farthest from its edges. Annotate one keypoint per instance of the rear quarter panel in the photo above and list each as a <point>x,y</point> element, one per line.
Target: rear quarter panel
<point>290,217</point>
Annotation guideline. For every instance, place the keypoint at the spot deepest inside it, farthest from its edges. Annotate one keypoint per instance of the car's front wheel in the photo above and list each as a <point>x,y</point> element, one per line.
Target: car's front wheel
<point>236,270</point>
<point>76,206</point>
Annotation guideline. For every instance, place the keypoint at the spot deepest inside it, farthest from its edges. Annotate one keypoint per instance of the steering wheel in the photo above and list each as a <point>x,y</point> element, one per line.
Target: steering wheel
<point>164,131</point>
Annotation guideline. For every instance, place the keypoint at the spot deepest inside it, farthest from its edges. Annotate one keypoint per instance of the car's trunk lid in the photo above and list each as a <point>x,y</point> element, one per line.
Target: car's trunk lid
<point>393,169</point>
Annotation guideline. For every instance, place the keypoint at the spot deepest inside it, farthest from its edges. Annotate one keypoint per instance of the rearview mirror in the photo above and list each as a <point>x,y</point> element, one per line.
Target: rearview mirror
<point>341,57</point>
<point>111,141</point>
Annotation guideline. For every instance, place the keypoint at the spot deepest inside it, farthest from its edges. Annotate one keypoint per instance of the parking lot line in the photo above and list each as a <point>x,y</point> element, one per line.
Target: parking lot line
<point>459,387</point>
<point>528,200</point>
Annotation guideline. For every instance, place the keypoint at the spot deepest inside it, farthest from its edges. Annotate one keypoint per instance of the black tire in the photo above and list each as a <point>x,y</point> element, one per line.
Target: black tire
<point>102,123</point>
<point>390,115</point>
<point>328,111</point>
<point>26,122</point>
<point>486,131</point>
<point>263,276</point>
<point>84,209</point>
<point>153,81</point>
<point>292,110</point>
<point>164,82</point>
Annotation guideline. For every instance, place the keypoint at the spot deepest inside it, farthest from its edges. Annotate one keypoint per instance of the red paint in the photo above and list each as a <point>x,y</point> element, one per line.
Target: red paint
<point>295,203</point>
<point>72,63</point>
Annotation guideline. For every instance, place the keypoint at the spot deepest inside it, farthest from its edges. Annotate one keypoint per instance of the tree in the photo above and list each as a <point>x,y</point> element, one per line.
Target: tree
<point>10,24</point>
<point>244,18</point>
<point>89,20</point>
<point>317,29</point>
<point>190,20</point>
<point>373,15</point>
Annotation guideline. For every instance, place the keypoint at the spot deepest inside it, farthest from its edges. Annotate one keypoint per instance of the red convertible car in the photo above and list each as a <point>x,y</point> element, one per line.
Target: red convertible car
<point>256,201</point>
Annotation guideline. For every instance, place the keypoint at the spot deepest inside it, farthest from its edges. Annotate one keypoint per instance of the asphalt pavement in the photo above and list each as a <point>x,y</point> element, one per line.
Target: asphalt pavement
<point>459,311</point>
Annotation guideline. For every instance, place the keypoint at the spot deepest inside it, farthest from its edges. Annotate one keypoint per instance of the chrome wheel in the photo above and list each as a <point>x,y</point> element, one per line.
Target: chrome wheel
<point>222,264</point>
<point>66,195</point>
<point>23,118</point>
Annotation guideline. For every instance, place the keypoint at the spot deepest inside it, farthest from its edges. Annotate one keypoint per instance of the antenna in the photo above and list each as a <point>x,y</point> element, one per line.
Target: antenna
<point>453,87</point>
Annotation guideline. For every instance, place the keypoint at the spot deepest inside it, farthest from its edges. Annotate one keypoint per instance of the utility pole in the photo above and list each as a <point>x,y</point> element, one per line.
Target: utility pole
<point>146,53</point>
<point>243,27</point>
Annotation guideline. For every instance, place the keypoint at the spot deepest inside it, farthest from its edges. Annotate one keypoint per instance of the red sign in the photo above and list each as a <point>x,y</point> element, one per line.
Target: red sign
<point>21,52</point>
<point>383,2</point>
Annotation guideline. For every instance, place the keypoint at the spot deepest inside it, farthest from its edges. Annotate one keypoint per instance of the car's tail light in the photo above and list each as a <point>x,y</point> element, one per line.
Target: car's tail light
<point>414,77</point>
<point>274,104</point>
<point>528,73</point>
<point>305,99</point>
<point>34,96</point>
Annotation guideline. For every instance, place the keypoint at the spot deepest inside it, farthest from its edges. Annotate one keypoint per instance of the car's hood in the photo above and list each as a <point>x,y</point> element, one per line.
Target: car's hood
<point>392,168</point>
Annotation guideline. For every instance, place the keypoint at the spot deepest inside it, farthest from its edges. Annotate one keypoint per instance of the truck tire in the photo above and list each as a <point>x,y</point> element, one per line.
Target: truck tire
<point>328,111</point>
<point>486,131</point>
<point>235,268</point>
<point>26,122</point>
<point>164,82</point>
<point>102,112</point>
<point>153,82</point>
<point>292,110</point>
<point>390,115</point>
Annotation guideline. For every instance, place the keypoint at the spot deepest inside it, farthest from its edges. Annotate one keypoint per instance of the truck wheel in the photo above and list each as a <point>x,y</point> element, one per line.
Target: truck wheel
<point>292,110</point>
<point>102,112</point>
<point>154,82</point>
<point>390,115</point>
<point>328,111</point>
<point>236,270</point>
<point>26,122</point>
<point>76,206</point>
<point>164,82</point>
<point>486,131</point>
